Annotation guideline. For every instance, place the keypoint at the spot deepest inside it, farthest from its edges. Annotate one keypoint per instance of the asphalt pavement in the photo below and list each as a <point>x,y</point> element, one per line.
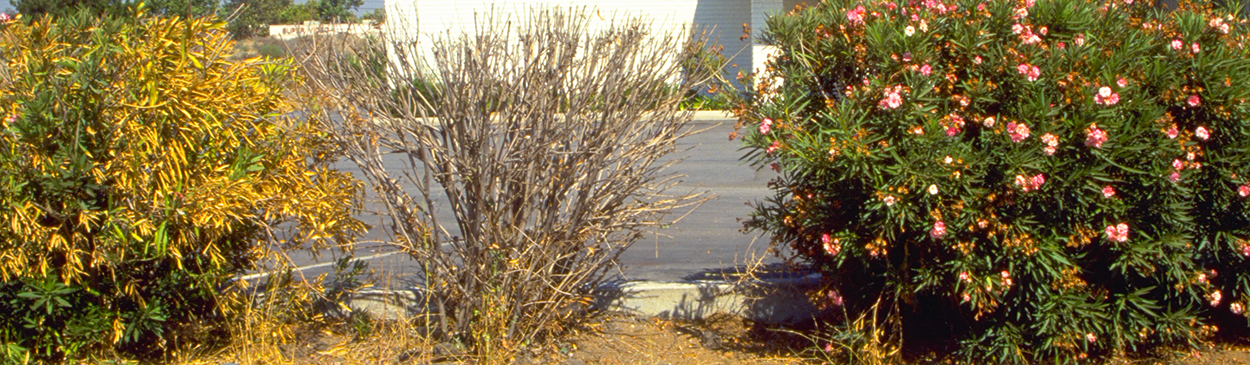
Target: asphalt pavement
<point>707,239</point>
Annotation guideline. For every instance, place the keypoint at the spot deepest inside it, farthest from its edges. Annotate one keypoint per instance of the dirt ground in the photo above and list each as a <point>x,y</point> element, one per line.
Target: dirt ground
<point>624,339</point>
<point>621,339</point>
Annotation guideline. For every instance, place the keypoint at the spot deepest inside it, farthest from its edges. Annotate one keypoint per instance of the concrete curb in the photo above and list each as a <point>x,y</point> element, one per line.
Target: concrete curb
<point>699,116</point>
<point>776,301</point>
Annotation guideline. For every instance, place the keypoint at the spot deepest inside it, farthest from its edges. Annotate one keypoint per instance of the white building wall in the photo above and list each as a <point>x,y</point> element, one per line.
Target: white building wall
<point>760,10</point>
<point>422,20</point>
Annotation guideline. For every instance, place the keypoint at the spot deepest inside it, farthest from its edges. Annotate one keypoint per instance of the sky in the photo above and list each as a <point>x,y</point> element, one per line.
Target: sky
<point>367,7</point>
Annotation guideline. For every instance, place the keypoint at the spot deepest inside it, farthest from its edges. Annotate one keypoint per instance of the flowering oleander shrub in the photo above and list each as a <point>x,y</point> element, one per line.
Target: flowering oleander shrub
<point>140,173</point>
<point>1054,179</point>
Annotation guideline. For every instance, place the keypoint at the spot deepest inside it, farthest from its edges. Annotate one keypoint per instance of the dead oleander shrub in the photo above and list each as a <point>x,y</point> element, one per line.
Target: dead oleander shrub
<point>549,146</point>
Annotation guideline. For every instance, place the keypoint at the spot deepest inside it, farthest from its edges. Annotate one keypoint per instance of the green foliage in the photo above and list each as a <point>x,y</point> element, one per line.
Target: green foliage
<point>1058,181</point>
<point>140,173</point>
<point>338,10</point>
<point>60,8</point>
<point>253,17</point>
<point>33,9</point>
<point>377,15</point>
<point>270,50</point>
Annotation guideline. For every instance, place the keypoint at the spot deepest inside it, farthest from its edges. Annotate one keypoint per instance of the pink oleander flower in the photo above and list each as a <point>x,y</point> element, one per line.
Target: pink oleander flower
<point>981,7</point>
<point>4,17</point>
<point>1178,165</point>
<point>855,16</point>
<point>766,125</point>
<point>989,122</point>
<point>832,245</point>
<point>1018,131</point>
<point>909,30</point>
<point>1174,177</point>
<point>1172,132</point>
<point>1177,44</point>
<point>892,100</point>
<point>1244,191</point>
<point>1108,191</point>
<point>1236,308</point>
<point>1033,73</point>
<point>888,200</point>
<point>1043,30</point>
<point>926,70</point>
<point>1030,38</point>
<point>976,60</point>
<point>952,131</point>
<point>1121,82</point>
<point>1061,45</point>
<point>1117,233</point>
<point>835,298</point>
<point>1195,48</point>
<point>773,147</point>
<point>1021,13</point>
<point>1094,136</point>
<point>1028,184</point>
<point>1194,100</point>
<point>1091,338</point>
<point>963,276</point>
<point>1079,40</point>
<point>939,230</point>
<point>1106,97</point>
<point>1216,296</point>
<point>1219,25</point>
<point>1017,28</point>
<point>1050,140</point>
<point>1201,133</point>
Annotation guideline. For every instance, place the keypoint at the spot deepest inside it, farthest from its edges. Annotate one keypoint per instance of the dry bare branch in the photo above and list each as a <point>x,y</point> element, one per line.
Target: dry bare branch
<point>547,138</point>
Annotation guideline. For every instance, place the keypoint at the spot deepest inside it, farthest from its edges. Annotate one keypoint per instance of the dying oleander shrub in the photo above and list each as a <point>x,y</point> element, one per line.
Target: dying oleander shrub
<point>1049,180</point>
<point>549,146</point>
<point>141,172</point>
